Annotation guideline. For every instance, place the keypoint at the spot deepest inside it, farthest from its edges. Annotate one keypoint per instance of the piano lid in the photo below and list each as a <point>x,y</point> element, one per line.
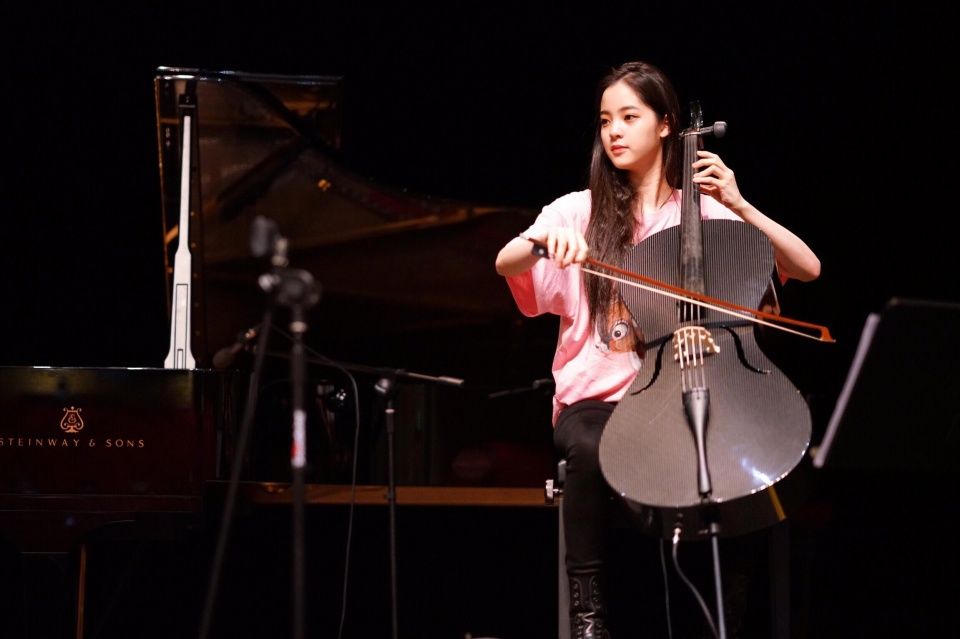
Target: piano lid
<point>271,145</point>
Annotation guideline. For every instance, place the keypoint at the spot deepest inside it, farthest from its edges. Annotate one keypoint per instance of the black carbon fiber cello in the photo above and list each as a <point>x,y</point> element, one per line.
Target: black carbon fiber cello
<point>706,434</point>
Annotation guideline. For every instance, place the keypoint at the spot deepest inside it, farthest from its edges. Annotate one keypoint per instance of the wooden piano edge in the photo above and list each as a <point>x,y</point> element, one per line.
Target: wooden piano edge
<point>376,495</point>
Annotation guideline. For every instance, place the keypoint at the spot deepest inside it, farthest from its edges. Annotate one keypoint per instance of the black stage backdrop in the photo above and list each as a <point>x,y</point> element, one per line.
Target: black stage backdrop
<point>478,102</point>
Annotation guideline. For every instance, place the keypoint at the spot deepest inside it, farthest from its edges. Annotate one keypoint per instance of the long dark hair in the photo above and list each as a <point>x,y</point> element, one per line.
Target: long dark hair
<point>612,224</point>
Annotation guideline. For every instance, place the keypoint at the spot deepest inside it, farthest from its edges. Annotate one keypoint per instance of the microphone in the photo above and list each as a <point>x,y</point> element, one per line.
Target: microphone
<point>538,384</point>
<point>265,238</point>
<point>225,356</point>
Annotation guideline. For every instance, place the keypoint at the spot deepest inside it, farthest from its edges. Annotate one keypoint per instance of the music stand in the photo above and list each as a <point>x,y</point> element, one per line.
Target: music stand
<point>898,409</point>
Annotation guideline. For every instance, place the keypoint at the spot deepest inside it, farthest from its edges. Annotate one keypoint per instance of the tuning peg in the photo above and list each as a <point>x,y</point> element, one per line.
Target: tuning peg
<point>718,129</point>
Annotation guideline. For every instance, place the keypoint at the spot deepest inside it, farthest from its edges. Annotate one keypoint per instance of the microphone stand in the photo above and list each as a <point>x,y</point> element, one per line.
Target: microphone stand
<point>385,387</point>
<point>295,289</point>
<point>226,523</point>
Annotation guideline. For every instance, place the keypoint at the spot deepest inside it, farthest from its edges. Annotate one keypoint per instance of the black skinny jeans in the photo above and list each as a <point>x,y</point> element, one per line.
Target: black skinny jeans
<point>586,494</point>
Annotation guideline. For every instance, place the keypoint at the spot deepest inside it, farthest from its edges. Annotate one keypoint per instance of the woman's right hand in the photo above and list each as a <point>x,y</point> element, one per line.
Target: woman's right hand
<point>565,245</point>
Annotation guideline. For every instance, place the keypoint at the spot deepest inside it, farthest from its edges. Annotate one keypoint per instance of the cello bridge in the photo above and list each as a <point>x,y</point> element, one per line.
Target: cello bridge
<point>692,343</point>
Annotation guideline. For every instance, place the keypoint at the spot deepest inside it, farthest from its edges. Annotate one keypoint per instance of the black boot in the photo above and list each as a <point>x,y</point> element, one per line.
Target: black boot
<point>588,611</point>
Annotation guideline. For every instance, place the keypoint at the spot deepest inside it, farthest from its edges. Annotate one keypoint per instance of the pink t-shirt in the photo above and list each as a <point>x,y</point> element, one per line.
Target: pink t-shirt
<point>589,364</point>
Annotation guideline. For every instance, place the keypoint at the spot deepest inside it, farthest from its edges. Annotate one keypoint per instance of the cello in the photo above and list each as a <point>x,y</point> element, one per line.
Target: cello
<point>708,431</point>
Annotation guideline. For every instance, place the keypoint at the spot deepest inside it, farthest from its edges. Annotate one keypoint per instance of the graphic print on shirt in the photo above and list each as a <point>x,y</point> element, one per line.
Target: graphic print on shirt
<point>621,334</point>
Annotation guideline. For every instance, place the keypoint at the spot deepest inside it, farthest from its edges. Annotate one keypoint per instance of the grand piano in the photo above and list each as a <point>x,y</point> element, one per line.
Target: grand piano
<point>407,286</point>
<point>406,283</point>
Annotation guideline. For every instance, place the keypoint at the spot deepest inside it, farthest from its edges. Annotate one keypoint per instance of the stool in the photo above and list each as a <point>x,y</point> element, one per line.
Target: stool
<point>553,491</point>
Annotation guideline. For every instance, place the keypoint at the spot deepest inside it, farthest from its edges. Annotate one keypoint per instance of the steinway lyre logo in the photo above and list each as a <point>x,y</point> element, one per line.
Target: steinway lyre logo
<point>71,422</point>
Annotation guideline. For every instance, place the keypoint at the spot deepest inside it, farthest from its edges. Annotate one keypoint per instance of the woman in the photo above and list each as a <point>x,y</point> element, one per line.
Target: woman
<point>635,175</point>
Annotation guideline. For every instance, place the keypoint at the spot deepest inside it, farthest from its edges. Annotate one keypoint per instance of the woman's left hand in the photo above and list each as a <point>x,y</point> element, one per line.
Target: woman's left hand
<point>716,179</point>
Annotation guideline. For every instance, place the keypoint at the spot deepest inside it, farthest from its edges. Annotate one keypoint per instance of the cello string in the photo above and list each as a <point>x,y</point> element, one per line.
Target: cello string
<point>682,358</point>
<point>704,351</point>
<point>697,339</point>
